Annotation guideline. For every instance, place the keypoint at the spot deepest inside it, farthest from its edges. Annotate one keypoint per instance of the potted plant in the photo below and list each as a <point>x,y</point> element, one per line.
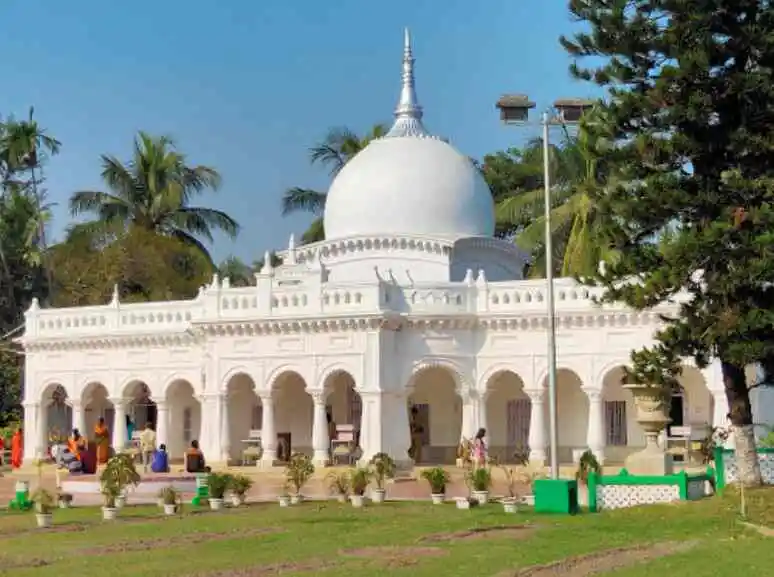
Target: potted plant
<point>284,497</point>
<point>240,485</point>
<point>383,468</point>
<point>480,480</point>
<point>298,472</point>
<point>110,492</point>
<point>587,465</point>
<point>120,473</point>
<point>44,505</point>
<point>437,478</point>
<point>64,500</point>
<point>359,479</point>
<point>217,485</point>
<point>338,485</point>
<point>170,499</point>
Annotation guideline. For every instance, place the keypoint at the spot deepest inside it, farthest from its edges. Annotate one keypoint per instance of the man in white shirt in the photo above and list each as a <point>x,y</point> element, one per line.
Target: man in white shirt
<point>147,446</point>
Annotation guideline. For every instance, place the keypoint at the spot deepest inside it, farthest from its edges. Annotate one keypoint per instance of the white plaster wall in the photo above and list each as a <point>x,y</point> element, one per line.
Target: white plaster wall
<point>242,402</point>
<point>436,388</point>
<point>572,414</point>
<point>293,413</point>
<point>180,397</point>
<point>502,388</point>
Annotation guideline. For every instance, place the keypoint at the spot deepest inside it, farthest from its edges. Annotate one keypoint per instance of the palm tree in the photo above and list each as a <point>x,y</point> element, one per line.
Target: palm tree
<point>153,191</point>
<point>238,273</point>
<point>578,227</point>
<point>338,147</point>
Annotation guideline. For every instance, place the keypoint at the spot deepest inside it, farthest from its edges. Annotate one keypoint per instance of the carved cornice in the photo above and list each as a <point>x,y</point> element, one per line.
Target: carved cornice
<point>114,341</point>
<point>260,327</point>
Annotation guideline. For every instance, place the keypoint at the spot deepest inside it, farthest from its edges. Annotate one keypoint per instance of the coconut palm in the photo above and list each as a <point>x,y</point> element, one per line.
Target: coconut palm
<point>239,273</point>
<point>578,238</point>
<point>154,191</point>
<point>338,147</point>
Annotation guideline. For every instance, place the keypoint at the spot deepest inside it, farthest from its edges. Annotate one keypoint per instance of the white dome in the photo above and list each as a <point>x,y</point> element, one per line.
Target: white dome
<point>411,185</point>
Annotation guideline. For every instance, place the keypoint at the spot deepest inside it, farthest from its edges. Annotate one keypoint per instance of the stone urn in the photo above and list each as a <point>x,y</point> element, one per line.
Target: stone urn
<point>652,403</point>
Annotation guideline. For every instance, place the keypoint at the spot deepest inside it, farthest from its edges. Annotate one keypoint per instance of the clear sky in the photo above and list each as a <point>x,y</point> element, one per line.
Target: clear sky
<point>247,86</point>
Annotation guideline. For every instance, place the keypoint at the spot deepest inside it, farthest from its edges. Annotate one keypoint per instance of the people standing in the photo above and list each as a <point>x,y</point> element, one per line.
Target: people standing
<point>479,448</point>
<point>102,441</point>
<point>416,431</point>
<point>147,445</point>
<point>17,448</point>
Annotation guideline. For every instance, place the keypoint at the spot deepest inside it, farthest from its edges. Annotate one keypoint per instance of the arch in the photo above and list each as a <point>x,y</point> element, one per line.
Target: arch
<point>96,403</point>
<point>184,416</point>
<point>603,373</point>
<point>572,410</point>
<point>436,411</point>
<point>234,372</point>
<point>508,413</point>
<point>426,364</point>
<point>57,414</point>
<point>621,429</point>
<point>48,388</point>
<point>244,412</point>
<point>293,411</point>
<point>141,408</point>
<point>175,379</point>
<point>344,406</point>
<point>496,368</point>
<point>698,401</point>
<point>333,369</point>
<point>283,370</point>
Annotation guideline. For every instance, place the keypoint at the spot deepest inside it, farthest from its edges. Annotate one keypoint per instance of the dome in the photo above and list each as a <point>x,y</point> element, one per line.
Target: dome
<point>409,183</point>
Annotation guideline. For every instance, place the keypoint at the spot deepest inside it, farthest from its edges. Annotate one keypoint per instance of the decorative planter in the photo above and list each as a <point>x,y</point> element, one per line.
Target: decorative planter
<point>284,501</point>
<point>652,404</point>
<point>120,501</point>
<point>296,499</point>
<point>109,513</point>
<point>463,503</point>
<point>170,509</point>
<point>481,496</point>
<point>357,500</point>
<point>237,500</point>
<point>216,504</point>
<point>378,495</point>
<point>509,505</point>
<point>341,498</point>
<point>437,498</point>
<point>44,520</point>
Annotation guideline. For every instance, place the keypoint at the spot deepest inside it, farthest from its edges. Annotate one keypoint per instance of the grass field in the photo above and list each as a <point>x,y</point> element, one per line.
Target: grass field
<point>417,539</point>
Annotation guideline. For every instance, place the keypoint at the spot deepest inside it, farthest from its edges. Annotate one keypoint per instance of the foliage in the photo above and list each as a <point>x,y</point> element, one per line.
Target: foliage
<point>656,366</point>
<point>153,191</point>
<point>717,437</point>
<point>359,478</point>
<point>587,464</point>
<point>768,440</point>
<point>169,495</point>
<point>44,501</point>
<point>338,483</point>
<point>299,470</point>
<point>338,147</point>
<point>437,478</point>
<point>522,459</point>
<point>241,274</point>
<point>218,484</point>
<point>383,467</point>
<point>479,478</point>
<point>240,485</point>
<point>465,452</point>
<point>690,114</point>
<point>119,473</point>
<point>110,494</point>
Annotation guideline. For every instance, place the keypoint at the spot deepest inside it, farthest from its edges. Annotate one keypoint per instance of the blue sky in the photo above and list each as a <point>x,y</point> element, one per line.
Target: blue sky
<point>248,86</point>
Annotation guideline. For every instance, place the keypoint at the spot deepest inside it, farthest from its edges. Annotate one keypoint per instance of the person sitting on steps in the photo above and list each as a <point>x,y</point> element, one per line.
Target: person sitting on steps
<point>194,459</point>
<point>160,462</point>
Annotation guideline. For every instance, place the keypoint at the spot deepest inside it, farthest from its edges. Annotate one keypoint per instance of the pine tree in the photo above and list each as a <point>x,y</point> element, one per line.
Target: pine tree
<point>689,127</point>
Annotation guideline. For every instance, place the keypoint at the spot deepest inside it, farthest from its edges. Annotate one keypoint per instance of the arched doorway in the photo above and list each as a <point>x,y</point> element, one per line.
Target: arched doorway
<point>58,414</point>
<point>140,408</point>
<point>508,415</point>
<point>572,410</point>
<point>293,415</point>
<point>245,413</point>
<point>437,409</point>
<point>185,418</point>
<point>622,433</point>
<point>343,404</point>
<point>96,405</point>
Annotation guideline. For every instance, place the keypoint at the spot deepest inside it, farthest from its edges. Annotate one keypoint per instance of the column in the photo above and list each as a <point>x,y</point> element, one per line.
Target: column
<point>720,419</point>
<point>394,424</point>
<point>209,436</point>
<point>162,422</point>
<point>320,440</point>
<point>119,424</point>
<point>79,416</point>
<point>537,427</point>
<point>268,431</point>
<point>481,411</point>
<point>370,431</point>
<point>41,429</point>
<point>225,430</point>
<point>31,414</point>
<point>595,434</point>
<point>469,416</point>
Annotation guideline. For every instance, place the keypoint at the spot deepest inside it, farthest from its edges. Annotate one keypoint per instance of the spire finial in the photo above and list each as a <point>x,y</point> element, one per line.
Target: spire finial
<point>408,113</point>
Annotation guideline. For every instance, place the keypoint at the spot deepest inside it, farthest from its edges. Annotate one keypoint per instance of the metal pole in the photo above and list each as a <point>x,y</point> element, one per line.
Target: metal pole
<point>552,420</point>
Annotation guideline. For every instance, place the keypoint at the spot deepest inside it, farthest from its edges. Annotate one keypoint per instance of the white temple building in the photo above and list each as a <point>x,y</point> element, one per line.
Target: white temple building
<point>409,302</point>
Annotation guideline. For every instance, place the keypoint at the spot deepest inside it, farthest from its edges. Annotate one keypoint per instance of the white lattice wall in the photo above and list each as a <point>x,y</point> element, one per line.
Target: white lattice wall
<point>765,459</point>
<point>618,496</point>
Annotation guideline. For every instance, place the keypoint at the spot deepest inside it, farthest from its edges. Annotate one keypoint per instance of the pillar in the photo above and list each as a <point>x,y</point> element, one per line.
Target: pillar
<point>79,416</point>
<point>469,414</point>
<point>394,424</point>
<point>268,430</point>
<point>41,429</point>
<point>209,435</point>
<point>320,440</point>
<point>31,413</point>
<point>595,434</point>
<point>225,433</point>
<point>537,427</point>
<point>370,431</point>
<point>481,411</point>
<point>119,424</point>
<point>162,422</point>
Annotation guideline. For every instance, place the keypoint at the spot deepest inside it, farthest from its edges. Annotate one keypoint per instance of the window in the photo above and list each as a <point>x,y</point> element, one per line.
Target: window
<point>187,425</point>
<point>518,415</point>
<point>615,423</point>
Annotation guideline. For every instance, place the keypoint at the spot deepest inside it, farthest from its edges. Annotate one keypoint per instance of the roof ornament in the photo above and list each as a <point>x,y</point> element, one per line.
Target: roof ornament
<point>291,254</point>
<point>408,114</point>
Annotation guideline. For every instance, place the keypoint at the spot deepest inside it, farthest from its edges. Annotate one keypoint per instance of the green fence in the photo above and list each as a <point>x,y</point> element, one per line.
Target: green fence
<point>625,490</point>
<point>726,470</point>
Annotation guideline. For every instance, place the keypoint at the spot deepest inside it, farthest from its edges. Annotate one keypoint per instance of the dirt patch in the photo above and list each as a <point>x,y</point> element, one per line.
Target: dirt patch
<point>181,540</point>
<point>765,531</point>
<point>385,553</point>
<point>66,528</point>
<point>602,561</point>
<point>513,531</point>
<point>268,570</point>
<point>7,565</point>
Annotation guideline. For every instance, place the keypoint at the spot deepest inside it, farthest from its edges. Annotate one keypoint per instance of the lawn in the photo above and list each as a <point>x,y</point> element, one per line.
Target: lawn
<point>417,539</point>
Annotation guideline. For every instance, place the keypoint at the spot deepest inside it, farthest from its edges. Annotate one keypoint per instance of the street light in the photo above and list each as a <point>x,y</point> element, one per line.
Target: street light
<point>514,109</point>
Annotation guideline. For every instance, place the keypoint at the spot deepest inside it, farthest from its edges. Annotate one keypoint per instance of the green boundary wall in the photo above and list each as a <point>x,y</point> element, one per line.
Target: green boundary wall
<point>681,479</point>
<point>720,463</point>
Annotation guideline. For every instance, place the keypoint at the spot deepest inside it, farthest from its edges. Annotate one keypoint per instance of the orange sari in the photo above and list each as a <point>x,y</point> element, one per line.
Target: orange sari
<point>102,440</point>
<point>17,449</point>
<point>75,447</point>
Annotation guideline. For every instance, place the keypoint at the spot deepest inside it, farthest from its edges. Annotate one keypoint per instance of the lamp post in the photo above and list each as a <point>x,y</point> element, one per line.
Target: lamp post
<point>514,109</point>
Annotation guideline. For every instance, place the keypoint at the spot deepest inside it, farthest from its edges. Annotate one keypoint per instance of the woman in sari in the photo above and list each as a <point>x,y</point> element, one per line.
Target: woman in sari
<point>76,443</point>
<point>17,448</point>
<point>102,440</point>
